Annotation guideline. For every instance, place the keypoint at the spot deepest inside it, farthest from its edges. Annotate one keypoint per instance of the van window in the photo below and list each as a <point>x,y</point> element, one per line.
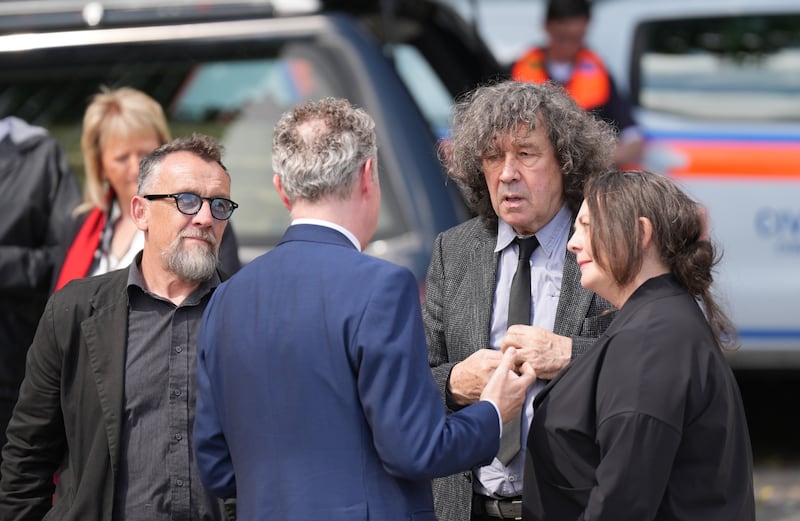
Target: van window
<point>738,67</point>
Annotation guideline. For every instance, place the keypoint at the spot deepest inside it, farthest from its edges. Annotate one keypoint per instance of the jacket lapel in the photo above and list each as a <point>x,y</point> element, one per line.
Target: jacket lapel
<point>105,333</point>
<point>574,302</point>
<point>484,259</point>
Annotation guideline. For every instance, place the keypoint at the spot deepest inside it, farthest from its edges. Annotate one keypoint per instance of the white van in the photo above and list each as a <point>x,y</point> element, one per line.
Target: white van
<point>716,88</point>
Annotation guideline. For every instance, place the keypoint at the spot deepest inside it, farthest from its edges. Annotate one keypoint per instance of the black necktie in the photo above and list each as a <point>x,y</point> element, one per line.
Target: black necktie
<point>519,312</point>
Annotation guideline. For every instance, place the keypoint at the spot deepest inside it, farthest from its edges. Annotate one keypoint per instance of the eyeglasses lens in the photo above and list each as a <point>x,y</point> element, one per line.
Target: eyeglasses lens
<point>189,203</point>
<point>221,208</point>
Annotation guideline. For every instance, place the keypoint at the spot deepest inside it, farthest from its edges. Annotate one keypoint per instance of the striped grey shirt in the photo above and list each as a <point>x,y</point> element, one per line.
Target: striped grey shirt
<point>158,480</point>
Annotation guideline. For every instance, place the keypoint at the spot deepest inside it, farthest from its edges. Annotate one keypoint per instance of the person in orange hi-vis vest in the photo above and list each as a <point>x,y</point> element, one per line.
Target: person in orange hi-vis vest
<point>566,61</point>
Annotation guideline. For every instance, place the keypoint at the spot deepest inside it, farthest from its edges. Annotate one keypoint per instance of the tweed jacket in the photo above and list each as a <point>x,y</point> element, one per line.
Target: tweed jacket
<point>459,292</point>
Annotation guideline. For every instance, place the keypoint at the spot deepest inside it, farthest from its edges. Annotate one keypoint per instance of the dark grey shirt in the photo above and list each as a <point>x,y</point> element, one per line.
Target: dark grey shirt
<point>158,479</point>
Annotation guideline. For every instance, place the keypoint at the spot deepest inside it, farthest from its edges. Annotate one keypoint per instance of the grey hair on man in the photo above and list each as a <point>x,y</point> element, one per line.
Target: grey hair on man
<point>313,169</point>
<point>203,146</point>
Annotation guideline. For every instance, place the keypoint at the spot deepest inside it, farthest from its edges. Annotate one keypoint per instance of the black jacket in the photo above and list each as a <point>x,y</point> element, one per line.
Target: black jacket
<point>648,425</point>
<point>37,193</point>
<point>70,411</point>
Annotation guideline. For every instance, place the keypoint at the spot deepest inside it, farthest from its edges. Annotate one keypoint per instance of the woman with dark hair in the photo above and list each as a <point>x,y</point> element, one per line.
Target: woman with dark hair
<point>649,424</point>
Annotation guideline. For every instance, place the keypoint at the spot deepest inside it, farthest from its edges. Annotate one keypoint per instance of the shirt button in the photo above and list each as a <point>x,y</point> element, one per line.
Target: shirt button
<point>512,478</point>
<point>179,482</point>
<point>177,392</point>
<point>179,436</point>
<point>178,349</point>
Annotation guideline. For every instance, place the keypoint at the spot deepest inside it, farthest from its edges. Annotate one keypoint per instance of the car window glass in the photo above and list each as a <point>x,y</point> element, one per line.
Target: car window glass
<point>236,98</point>
<point>425,87</point>
<point>743,67</point>
<point>245,99</point>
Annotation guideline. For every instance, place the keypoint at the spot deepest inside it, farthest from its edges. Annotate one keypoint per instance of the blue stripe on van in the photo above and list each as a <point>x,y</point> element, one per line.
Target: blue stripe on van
<point>772,334</point>
<point>793,137</point>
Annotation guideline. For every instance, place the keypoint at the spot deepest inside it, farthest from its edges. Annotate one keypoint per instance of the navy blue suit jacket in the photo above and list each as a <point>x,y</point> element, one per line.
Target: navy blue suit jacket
<point>315,398</point>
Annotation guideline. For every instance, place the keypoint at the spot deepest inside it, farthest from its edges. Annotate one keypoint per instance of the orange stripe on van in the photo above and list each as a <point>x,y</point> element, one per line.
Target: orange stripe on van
<point>737,159</point>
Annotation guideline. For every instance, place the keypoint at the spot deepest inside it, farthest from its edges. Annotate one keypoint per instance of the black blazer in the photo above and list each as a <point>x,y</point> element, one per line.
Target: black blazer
<point>648,425</point>
<point>68,419</point>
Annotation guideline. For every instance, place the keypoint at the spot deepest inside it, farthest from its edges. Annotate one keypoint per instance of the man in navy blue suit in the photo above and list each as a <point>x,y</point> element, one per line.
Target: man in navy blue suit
<point>315,398</point>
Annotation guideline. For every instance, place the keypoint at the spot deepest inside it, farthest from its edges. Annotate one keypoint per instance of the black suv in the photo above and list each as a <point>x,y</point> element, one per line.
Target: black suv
<point>229,69</point>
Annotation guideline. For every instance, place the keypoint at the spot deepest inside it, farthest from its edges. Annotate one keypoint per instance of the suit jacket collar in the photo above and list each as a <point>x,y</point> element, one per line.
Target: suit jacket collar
<point>329,224</point>
<point>572,296</point>
<point>483,275</point>
<point>315,233</point>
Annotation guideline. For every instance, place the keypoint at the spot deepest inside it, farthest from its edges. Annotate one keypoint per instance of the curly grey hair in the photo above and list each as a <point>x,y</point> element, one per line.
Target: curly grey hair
<point>583,144</point>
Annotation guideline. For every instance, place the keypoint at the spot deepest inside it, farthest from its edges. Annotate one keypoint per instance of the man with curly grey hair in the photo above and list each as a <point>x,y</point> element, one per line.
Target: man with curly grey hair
<point>315,400</point>
<point>521,153</point>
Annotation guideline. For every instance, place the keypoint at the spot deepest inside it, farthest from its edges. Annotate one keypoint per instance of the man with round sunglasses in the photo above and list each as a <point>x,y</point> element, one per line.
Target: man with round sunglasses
<point>108,397</point>
<point>190,203</point>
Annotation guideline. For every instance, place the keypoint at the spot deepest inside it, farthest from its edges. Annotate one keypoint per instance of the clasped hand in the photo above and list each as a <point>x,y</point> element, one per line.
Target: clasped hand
<point>546,352</point>
<point>508,385</point>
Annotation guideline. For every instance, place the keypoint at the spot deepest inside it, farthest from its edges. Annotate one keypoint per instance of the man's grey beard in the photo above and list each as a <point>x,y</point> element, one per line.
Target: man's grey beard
<point>194,264</point>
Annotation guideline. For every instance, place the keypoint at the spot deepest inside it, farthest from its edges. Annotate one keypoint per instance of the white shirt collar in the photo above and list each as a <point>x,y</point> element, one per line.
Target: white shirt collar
<point>549,236</point>
<point>329,224</point>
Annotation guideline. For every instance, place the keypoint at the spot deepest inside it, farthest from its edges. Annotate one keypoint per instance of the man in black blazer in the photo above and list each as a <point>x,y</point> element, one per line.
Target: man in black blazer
<point>521,152</point>
<point>107,402</point>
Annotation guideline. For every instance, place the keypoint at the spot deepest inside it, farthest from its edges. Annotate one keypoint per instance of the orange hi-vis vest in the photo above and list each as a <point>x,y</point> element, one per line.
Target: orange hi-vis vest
<point>589,86</point>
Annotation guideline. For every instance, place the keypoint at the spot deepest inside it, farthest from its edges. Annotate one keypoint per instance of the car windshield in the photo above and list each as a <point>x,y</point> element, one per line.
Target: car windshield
<point>738,67</point>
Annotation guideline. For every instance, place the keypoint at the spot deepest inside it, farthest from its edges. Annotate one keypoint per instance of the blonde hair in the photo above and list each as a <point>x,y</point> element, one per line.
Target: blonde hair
<point>123,113</point>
